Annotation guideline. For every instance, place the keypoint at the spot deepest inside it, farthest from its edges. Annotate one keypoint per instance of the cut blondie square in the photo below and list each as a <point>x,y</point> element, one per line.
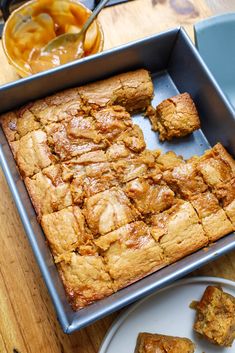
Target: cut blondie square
<point>218,170</point>
<point>177,117</point>
<point>134,166</point>
<point>214,219</point>
<point>108,211</point>
<point>32,153</point>
<point>48,192</point>
<point>17,124</point>
<point>112,121</point>
<point>155,343</point>
<point>98,177</point>
<point>178,230</point>
<point>216,166</point>
<point>65,231</point>
<point>185,180</point>
<point>132,90</point>
<point>169,160</point>
<point>133,139</point>
<point>74,137</point>
<point>130,253</point>
<point>85,279</point>
<point>89,174</point>
<point>215,318</point>
<point>130,169</point>
<point>149,197</point>
<point>57,108</point>
<point>61,185</point>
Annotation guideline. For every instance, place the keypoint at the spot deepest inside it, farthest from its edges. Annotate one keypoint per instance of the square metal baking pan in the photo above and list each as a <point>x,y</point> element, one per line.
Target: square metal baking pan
<point>175,66</point>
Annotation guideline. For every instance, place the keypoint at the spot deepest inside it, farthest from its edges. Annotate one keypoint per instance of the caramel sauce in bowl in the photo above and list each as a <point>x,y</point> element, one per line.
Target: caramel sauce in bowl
<point>30,27</point>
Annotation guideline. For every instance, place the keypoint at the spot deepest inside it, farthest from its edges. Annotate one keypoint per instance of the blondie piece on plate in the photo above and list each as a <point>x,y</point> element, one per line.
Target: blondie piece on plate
<point>155,343</point>
<point>177,117</point>
<point>215,318</point>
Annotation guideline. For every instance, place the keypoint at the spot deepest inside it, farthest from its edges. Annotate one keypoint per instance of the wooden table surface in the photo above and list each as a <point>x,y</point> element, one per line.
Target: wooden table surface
<point>28,321</point>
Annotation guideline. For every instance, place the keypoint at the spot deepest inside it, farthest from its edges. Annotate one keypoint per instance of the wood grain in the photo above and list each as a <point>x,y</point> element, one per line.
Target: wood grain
<point>28,323</point>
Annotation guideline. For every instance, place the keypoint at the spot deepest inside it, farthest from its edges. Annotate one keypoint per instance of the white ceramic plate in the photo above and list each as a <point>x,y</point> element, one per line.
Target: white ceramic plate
<point>166,312</point>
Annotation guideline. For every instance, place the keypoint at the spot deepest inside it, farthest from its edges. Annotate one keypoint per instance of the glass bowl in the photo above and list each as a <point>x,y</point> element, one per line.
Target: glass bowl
<point>31,26</point>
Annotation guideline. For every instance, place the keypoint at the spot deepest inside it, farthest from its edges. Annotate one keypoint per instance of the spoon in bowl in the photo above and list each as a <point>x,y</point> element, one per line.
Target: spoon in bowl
<point>67,39</point>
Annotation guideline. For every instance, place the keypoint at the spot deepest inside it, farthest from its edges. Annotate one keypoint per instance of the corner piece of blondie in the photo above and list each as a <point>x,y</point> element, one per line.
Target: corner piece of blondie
<point>155,343</point>
<point>215,319</point>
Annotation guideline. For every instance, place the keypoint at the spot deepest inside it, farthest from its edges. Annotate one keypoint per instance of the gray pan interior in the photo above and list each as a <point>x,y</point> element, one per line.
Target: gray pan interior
<point>175,67</point>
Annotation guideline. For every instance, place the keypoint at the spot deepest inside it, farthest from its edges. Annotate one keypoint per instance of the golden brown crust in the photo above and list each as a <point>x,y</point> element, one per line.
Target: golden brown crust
<point>17,124</point>
<point>215,318</point>
<point>112,121</point>
<point>155,343</point>
<point>85,279</point>
<point>178,231</point>
<point>133,139</point>
<point>176,117</point>
<point>48,192</point>
<point>32,153</point>
<point>185,180</point>
<point>132,90</point>
<point>214,220</point>
<point>108,211</point>
<point>130,253</point>
<point>169,160</point>
<point>65,230</point>
<point>215,171</point>
<point>137,90</point>
<point>230,212</point>
<point>220,152</point>
<point>74,137</point>
<point>218,170</point>
<point>149,197</point>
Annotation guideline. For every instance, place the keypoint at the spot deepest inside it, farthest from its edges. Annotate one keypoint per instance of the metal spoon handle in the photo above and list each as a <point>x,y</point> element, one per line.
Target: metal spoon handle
<point>94,14</point>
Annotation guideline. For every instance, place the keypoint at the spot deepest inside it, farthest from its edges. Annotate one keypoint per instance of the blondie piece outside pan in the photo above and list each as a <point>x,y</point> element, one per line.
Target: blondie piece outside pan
<point>215,318</point>
<point>155,343</point>
<point>104,200</point>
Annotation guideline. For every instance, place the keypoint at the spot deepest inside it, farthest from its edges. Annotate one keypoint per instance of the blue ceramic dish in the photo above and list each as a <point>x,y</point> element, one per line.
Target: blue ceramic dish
<point>215,40</point>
